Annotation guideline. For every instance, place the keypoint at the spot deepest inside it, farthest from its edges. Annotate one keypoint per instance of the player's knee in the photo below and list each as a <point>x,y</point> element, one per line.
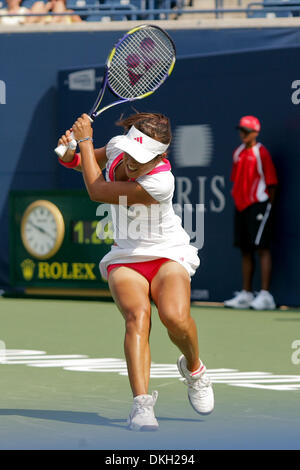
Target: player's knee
<point>137,320</point>
<point>177,321</point>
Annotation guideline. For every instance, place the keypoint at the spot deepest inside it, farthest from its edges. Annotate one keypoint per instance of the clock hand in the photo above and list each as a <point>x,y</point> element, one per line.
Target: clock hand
<point>40,229</point>
<point>37,227</point>
<point>50,236</point>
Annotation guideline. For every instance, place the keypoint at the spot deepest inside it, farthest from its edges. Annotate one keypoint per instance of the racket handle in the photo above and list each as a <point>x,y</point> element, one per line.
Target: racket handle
<point>61,149</point>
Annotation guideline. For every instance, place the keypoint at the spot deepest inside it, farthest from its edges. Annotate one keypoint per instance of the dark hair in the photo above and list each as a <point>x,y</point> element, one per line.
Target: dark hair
<point>154,125</point>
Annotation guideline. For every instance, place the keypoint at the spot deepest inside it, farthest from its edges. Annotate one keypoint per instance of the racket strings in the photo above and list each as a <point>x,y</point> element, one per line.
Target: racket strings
<point>157,61</point>
<point>141,62</point>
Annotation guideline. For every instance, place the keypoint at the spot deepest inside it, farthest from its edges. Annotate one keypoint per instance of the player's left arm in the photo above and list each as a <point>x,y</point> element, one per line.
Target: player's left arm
<point>100,153</point>
<point>98,189</point>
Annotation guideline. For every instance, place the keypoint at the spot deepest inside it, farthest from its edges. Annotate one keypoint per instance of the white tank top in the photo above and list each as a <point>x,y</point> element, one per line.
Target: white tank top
<point>143,233</point>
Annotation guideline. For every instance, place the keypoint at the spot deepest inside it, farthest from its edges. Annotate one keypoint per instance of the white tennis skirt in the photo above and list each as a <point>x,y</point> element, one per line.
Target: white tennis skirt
<point>186,255</point>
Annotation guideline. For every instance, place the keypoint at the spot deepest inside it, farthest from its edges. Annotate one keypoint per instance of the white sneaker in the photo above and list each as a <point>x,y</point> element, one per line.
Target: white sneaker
<point>241,299</point>
<point>263,301</point>
<point>142,417</point>
<point>200,392</point>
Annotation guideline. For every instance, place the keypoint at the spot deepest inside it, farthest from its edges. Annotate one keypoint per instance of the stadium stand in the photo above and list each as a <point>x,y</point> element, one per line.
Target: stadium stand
<point>94,7</point>
<point>28,3</point>
<point>267,9</point>
<point>133,10</point>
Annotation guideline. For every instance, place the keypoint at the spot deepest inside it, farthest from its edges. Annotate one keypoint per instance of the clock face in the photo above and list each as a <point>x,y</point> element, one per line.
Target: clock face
<point>42,229</point>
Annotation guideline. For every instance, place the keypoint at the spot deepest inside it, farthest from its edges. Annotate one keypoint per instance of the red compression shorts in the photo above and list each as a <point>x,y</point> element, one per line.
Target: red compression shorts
<point>148,269</point>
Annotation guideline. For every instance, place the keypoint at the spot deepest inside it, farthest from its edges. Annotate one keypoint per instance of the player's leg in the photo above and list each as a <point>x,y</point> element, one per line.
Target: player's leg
<point>170,290</point>
<point>130,291</point>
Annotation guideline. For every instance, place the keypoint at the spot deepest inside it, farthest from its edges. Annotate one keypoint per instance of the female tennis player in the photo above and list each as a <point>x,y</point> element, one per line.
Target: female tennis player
<point>151,258</point>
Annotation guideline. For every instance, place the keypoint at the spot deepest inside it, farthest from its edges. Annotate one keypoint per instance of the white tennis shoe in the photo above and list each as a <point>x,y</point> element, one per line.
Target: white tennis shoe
<point>263,301</point>
<point>241,299</point>
<point>200,392</point>
<point>142,416</point>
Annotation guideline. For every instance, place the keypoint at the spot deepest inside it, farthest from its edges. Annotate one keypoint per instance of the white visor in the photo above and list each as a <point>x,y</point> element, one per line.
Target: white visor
<point>140,146</point>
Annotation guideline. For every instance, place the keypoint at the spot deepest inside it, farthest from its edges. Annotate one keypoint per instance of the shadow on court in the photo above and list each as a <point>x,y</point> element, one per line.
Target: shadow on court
<point>79,417</point>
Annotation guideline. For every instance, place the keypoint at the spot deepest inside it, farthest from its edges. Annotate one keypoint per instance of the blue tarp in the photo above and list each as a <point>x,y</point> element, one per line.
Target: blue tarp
<point>232,72</point>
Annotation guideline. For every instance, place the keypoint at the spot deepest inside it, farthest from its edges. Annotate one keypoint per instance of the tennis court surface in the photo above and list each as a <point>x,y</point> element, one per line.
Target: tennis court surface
<point>64,383</point>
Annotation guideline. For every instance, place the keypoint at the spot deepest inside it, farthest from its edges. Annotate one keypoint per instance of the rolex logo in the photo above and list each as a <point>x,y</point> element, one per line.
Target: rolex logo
<point>27,267</point>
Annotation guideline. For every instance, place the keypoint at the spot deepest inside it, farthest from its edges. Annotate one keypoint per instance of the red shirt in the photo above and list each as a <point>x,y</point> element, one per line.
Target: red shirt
<point>252,171</point>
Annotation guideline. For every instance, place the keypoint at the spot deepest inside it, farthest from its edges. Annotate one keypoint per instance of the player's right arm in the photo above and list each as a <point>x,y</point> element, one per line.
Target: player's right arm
<point>100,153</point>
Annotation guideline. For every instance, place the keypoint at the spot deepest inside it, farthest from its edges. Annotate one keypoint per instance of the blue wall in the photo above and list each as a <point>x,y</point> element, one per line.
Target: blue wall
<point>239,72</point>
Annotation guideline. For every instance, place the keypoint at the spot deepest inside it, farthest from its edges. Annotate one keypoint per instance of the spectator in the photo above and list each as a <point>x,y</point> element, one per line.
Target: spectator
<point>59,6</point>
<point>13,7</point>
<point>254,183</point>
<point>38,7</point>
<point>54,6</point>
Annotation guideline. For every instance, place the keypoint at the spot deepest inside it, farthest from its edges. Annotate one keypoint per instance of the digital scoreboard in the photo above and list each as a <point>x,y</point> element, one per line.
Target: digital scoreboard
<point>54,243</point>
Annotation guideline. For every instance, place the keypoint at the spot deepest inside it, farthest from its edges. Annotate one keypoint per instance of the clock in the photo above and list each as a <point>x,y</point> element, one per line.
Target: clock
<point>42,229</point>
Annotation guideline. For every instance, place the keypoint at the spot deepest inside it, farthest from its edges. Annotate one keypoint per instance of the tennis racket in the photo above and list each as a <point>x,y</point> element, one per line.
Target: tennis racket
<point>139,64</point>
